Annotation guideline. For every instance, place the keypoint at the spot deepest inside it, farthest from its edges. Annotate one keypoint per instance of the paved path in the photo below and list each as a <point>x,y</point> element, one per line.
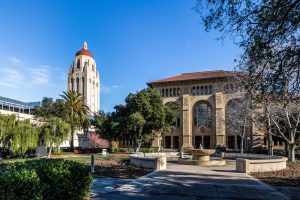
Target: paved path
<point>193,182</point>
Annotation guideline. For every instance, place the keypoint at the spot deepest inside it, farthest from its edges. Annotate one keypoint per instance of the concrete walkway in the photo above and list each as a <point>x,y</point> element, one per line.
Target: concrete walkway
<point>193,182</point>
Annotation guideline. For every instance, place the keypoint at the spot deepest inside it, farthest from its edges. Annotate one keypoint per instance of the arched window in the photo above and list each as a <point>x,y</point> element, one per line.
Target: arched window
<point>72,84</point>
<point>197,90</point>
<point>193,91</point>
<point>202,115</point>
<point>167,91</point>
<point>77,84</point>
<point>78,63</point>
<point>163,92</point>
<point>174,92</point>
<point>170,92</point>
<point>201,90</point>
<point>83,85</point>
<point>206,90</point>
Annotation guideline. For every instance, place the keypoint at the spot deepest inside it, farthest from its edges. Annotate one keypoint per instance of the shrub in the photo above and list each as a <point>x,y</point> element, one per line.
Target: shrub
<point>44,179</point>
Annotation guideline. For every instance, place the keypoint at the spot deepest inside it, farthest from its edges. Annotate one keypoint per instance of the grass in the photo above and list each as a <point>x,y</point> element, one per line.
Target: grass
<point>81,159</point>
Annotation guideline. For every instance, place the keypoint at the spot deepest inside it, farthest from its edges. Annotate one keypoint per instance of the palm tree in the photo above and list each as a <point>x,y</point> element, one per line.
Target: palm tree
<point>54,132</point>
<point>77,112</point>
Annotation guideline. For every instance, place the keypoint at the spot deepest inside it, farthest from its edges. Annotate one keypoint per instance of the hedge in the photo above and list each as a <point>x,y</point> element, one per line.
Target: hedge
<point>44,179</point>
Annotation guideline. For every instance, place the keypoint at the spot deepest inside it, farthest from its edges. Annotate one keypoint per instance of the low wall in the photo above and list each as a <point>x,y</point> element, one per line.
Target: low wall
<point>260,165</point>
<point>157,163</point>
<point>168,155</point>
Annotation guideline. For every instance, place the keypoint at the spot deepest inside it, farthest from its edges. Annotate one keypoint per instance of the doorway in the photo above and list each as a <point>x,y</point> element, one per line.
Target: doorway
<point>206,142</point>
<point>168,142</point>
<point>176,142</point>
<point>198,141</point>
<point>231,142</point>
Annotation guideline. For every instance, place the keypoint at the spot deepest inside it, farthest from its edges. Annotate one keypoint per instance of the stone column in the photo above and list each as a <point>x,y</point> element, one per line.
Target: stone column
<point>186,119</point>
<point>220,119</point>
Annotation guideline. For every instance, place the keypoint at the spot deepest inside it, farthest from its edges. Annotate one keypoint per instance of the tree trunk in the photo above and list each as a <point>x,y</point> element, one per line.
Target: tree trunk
<point>72,140</point>
<point>270,144</point>
<point>270,139</point>
<point>58,149</point>
<point>50,149</point>
<point>292,153</point>
<point>242,145</point>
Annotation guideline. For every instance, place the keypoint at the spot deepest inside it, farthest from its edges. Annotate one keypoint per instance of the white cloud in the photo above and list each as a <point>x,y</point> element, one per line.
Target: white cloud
<point>39,75</point>
<point>15,61</point>
<point>117,86</point>
<point>16,74</point>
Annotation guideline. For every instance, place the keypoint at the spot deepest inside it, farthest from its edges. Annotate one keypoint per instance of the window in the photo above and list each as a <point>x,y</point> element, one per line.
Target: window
<point>193,91</point>
<point>167,92</point>
<point>83,85</point>
<point>174,92</point>
<point>210,90</point>
<point>77,84</point>
<point>78,63</point>
<point>163,92</point>
<point>72,84</point>
<point>202,115</point>
<point>93,68</point>
<point>202,90</point>
<point>197,90</point>
<point>170,92</point>
<point>178,92</point>
<point>206,90</point>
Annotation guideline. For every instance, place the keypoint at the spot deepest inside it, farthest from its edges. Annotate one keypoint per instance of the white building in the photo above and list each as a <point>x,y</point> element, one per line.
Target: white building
<point>83,78</point>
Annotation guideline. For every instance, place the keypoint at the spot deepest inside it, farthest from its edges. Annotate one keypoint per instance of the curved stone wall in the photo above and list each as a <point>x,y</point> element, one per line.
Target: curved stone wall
<point>260,165</point>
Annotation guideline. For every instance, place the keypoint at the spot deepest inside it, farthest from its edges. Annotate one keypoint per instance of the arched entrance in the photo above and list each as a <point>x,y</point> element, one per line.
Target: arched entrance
<point>202,125</point>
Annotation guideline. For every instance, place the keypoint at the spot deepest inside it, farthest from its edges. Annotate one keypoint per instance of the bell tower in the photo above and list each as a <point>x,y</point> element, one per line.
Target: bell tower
<point>84,78</point>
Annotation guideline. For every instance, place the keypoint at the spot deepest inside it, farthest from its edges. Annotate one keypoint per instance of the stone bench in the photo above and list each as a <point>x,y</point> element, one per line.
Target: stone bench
<point>260,165</point>
<point>156,163</point>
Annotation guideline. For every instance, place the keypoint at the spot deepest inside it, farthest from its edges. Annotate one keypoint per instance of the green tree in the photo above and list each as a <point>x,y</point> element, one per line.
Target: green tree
<point>77,112</point>
<point>54,132</point>
<point>18,136</point>
<point>142,115</point>
<point>50,108</point>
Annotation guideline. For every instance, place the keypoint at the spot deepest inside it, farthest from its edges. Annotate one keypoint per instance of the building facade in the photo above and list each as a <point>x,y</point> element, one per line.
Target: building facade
<point>83,77</point>
<point>205,99</point>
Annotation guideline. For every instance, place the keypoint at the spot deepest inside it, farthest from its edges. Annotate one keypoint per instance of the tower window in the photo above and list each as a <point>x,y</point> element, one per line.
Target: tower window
<point>78,63</point>
<point>72,84</point>
<point>82,85</point>
<point>77,84</point>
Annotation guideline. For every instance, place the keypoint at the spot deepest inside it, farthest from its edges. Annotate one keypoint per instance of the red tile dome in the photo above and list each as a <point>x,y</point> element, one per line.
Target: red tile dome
<point>84,52</point>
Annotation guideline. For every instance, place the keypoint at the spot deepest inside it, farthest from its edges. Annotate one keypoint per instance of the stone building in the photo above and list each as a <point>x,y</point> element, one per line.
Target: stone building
<point>205,99</point>
<point>83,78</point>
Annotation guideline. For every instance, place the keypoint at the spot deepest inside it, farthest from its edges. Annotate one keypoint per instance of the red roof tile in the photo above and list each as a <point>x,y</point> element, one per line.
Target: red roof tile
<point>193,76</point>
<point>84,52</point>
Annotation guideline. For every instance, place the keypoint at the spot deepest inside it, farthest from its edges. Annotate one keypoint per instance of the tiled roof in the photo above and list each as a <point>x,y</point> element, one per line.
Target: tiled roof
<point>84,52</point>
<point>194,76</point>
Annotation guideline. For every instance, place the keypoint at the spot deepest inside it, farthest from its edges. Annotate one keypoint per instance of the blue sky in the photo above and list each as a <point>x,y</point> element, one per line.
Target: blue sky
<point>133,42</point>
